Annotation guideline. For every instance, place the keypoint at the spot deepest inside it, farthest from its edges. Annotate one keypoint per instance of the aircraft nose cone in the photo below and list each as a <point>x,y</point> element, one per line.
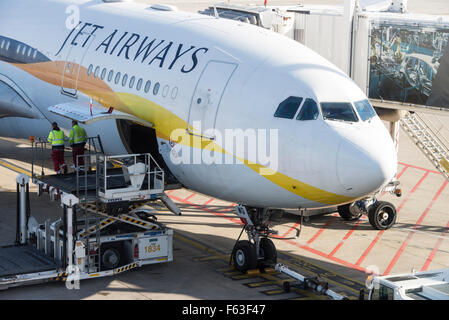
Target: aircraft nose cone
<point>361,171</point>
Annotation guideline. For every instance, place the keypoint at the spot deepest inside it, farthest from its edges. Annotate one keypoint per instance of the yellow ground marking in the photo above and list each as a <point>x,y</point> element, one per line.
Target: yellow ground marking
<point>14,167</point>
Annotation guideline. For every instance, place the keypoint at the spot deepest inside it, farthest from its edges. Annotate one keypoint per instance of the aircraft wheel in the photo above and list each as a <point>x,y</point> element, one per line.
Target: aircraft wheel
<point>244,256</point>
<point>382,215</point>
<point>286,286</point>
<point>346,214</point>
<point>268,250</point>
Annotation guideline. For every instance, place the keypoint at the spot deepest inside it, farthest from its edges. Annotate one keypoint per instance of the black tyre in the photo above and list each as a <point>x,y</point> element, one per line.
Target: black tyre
<point>244,256</point>
<point>268,251</point>
<point>346,214</point>
<point>110,258</point>
<point>382,215</point>
<point>286,286</point>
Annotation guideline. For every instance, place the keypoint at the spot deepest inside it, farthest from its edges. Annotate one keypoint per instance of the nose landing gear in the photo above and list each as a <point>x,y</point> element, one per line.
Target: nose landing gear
<point>381,214</point>
<point>259,251</point>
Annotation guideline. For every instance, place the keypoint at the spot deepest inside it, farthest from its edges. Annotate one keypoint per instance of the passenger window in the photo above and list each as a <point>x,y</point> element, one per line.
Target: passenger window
<point>309,111</point>
<point>124,80</point>
<point>110,75</point>
<point>174,93</point>
<point>156,88</point>
<point>131,82</point>
<point>147,86</point>
<point>139,84</point>
<point>165,91</point>
<point>288,108</point>
<point>97,71</point>
<point>89,70</point>
<point>117,78</point>
<point>103,73</point>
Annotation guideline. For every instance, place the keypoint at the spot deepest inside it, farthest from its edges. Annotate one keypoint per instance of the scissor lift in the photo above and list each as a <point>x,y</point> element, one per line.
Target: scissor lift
<point>108,223</point>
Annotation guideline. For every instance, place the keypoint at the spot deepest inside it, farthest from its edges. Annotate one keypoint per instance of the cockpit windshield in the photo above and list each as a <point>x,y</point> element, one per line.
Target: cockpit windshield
<point>365,110</point>
<point>342,111</point>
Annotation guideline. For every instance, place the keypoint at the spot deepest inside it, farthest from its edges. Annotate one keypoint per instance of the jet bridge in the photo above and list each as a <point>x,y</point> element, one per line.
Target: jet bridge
<point>108,222</point>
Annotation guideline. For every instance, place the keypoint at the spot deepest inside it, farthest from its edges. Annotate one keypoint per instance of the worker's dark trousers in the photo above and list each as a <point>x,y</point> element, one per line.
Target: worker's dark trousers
<point>78,151</point>
<point>57,155</point>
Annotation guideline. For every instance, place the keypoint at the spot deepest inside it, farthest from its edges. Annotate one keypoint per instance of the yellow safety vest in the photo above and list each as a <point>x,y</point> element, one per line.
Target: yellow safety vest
<point>56,138</point>
<point>77,135</point>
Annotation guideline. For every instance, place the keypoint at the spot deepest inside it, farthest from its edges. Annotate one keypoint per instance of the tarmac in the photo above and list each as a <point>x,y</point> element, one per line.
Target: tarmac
<point>339,252</point>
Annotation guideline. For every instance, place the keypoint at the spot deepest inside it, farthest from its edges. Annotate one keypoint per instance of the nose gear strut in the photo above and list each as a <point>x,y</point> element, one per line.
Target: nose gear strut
<point>258,250</point>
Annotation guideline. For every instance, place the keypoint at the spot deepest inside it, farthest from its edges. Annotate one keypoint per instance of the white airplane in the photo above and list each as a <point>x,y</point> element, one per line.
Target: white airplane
<point>164,71</point>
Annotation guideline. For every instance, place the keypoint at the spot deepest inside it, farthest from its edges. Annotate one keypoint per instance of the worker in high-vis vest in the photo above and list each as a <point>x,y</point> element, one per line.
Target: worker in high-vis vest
<point>77,140</point>
<point>57,139</point>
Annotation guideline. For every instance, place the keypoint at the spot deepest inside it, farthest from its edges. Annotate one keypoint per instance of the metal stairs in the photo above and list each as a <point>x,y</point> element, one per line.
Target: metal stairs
<point>433,147</point>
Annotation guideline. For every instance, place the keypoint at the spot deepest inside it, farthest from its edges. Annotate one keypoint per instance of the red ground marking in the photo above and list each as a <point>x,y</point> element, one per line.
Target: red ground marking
<point>411,233</point>
<point>434,251</point>
<point>420,168</point>
<point>329,221</point>
<point>190,196</point>
<point>325,255</point>
<point>381,232</point>
<point>402,172</point>
<point>208,201</point>
<point>348,234</point>
<point>412,191</point>
<point>372,244</point>
<point>200,206</point>
<point>237,221</point>
<point>290,230</point>
<point>307,248</point>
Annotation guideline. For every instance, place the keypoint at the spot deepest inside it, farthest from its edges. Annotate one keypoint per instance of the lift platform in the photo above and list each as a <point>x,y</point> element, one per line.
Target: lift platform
<point>107,226</point>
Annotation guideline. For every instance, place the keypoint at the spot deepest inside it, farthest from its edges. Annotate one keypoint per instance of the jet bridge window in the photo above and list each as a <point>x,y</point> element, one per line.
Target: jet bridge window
<point>365,110</point>
<point>309,110</point>
<point>288,108</point>
<point>342,111</point>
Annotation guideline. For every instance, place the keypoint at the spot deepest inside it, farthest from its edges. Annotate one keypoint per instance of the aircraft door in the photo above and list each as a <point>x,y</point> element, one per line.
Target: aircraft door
<point>73,62</point>
<point>207,96</point>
